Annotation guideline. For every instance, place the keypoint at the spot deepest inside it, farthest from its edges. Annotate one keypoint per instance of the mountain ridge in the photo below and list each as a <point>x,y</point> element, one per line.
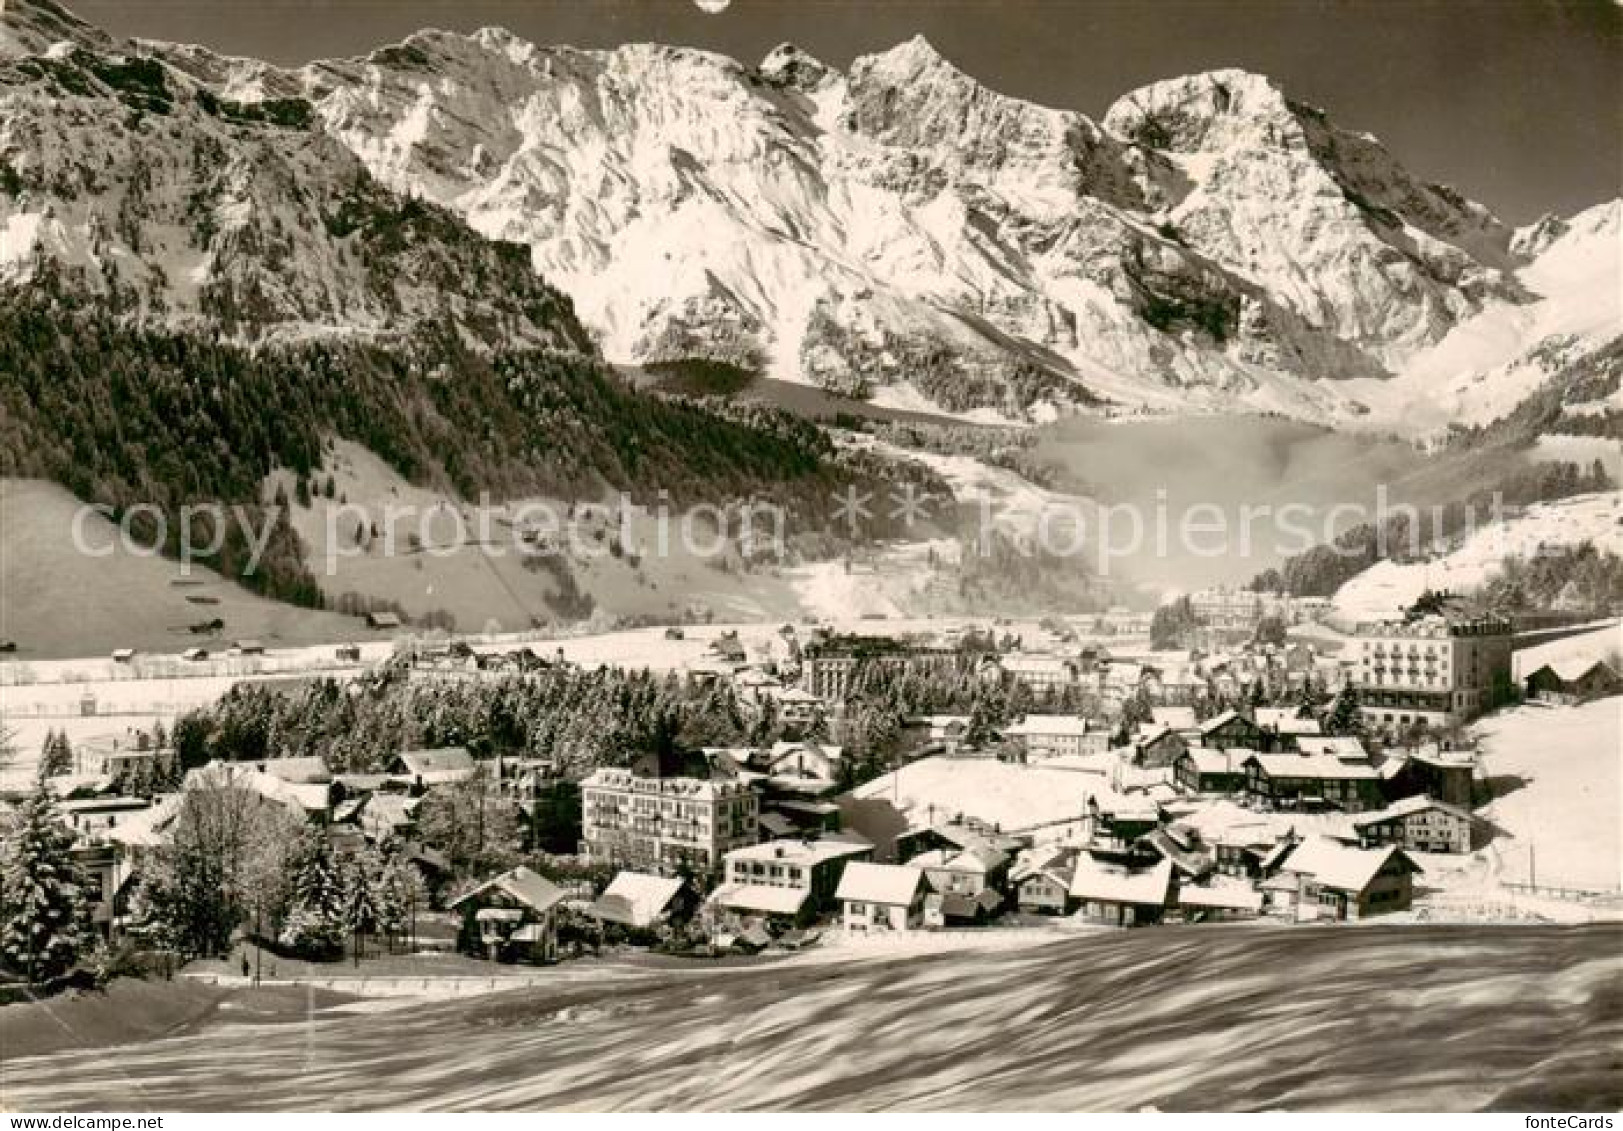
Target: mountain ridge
<point>899,231</point>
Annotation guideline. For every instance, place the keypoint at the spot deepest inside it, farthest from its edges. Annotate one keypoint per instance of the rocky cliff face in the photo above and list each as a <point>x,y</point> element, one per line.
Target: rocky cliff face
<point>896,230</point>
<point>125,178</point>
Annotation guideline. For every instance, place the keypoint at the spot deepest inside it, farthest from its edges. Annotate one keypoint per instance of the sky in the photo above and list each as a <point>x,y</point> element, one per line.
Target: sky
<point>1517,103</point>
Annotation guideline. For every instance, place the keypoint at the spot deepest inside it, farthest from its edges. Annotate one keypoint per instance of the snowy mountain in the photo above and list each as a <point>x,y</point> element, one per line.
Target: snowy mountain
<point>894,231</point>
<point>125,179</point>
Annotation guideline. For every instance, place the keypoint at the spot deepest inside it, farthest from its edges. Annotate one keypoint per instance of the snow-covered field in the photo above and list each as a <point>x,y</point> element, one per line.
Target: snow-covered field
<point>1383,590</point>
<point>1119,1021</point>
<point>1011,796</point>
<point>1559,775</point>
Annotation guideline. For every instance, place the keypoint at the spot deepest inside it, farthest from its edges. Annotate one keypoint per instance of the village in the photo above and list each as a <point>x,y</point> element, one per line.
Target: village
<point>1095,782</point>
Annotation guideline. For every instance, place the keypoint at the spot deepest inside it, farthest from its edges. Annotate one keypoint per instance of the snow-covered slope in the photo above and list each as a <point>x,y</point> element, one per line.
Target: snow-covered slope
<point>1386,588</point>
<point>1490,362</point>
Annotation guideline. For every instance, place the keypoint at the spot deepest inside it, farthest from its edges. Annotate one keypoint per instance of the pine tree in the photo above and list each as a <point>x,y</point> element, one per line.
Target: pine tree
<point>315,922</point>
<point>46,920</point>
<point>56,755</point>
<point>1345,718</point>
<point>361,877</point>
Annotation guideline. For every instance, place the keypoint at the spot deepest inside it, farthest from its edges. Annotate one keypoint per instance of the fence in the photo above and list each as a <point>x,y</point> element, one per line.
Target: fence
<point>384,986</point>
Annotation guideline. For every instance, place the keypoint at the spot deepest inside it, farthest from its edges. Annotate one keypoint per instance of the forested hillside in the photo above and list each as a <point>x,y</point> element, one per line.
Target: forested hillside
<point>123,415</point>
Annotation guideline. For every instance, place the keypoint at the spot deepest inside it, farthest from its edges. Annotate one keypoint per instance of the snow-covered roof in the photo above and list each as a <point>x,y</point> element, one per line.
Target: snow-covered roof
<point>1344,746</point>
<point>1218,721</point>
<point>1342,866</point>
<point>1285,720</point>
<point>761,898</point>
<point>799,851</point>
<point>635,899</point>
<point>1317,766</point>
<point>1058,726</point>
<point>441,765</point>
<point>529,888</point>
<point>1113,883</point>
<point>1408,807</point>
<point>1220,893</point>
<point>300,771</point>
<point>1211,761</point>
<point>892,884</point>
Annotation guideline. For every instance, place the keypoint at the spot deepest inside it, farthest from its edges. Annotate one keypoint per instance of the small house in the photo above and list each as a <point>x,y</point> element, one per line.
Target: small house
<point>1119,895</point>
<point>511,918</point>
<point>1042,880</point>
<point>1419,824</point>
<point>383,620</point>
<point>1202,770</point>
<point>1156,747</point>
<point>881,897</point>
<point>1230,729</point>
<point>638,901</point>
<point>1328,879</point>
<point>444,765</point>
<point>1573,681</point>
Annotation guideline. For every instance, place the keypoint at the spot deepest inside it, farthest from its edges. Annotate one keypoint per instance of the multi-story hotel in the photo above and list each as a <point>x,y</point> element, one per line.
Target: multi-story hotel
<point>1440,670</point>
<point>826,668</point>
<point>662,824</point>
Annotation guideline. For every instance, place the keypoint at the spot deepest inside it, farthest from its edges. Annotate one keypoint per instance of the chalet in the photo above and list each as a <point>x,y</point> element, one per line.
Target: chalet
<point>795,706</point>
<point>639,901</point>
<point>123,655</point>
<point>966,872</point>
<point>881,897</point>
<point>249,648</point>
<point>1419,824</point>
<point>1042,880</point>
<point>1115,822</point>
<point>308,801</point>
<point>1156,747</point>
<point>511,918</point>
<point>1230,729</point>
<point>1241,852</point>
<point>788,880</point>
<point>349,653</point>
<point>1200,770</point>
<point>814,761</point>
<point>1219,898</point>
<point>1119,895</point>
<point>383,620</point>
<point>1311,781</point>
<point>1432,771</point>
<point>1573,681</point>
<point>943,908</point>
<point>445,765</point>
<point>1049,736</point>
<point>1327,879</point>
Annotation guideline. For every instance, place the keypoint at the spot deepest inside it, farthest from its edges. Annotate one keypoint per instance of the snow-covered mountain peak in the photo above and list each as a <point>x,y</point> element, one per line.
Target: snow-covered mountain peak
<point>791,66</point>
<point>33,27</point>
<point>1213,111</point>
